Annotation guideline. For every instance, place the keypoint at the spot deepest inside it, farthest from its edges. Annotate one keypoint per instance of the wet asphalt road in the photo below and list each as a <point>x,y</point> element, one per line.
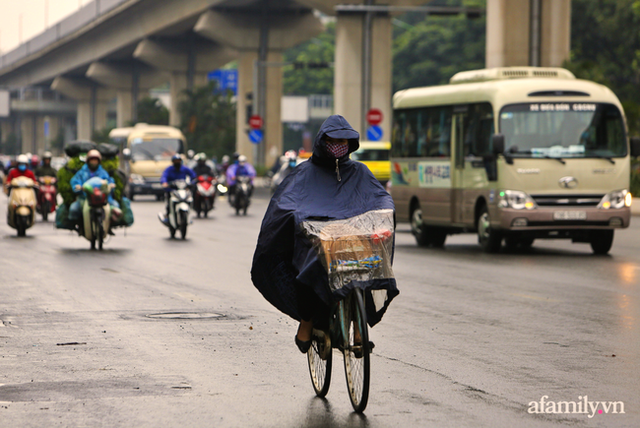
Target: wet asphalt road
<point>470,342</point>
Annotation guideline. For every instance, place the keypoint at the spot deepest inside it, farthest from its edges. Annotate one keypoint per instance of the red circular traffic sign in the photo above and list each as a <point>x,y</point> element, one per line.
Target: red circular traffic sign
<point>256,122</point>
<point>374,116</point>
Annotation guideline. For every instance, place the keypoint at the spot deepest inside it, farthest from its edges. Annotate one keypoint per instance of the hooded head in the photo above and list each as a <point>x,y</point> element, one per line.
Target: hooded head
<point>335,140</point>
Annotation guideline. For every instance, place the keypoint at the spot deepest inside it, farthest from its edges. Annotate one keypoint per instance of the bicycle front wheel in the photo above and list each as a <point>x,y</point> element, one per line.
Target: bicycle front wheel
<point>320,359</point>
<point>356,350</point>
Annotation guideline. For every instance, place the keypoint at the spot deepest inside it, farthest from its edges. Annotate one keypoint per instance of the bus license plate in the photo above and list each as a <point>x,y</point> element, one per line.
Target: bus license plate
<point>156,186</point>
<point>570,215</point>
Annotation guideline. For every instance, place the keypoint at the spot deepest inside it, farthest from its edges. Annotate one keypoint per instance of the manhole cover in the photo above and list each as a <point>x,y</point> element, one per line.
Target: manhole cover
<point>185,315</point>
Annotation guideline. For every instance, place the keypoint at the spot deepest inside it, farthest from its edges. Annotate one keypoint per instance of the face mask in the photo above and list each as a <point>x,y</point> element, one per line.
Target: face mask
<point>337,150</point>
<point>177,165</point>
<point>292,164</point>
<point>22,167</point>
<point>93,166</point>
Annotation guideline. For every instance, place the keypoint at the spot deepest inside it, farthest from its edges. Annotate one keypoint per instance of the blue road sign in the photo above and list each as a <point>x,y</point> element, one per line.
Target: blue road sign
<point>227,80</point>
<point>255,136</point>
<point>374,133</point>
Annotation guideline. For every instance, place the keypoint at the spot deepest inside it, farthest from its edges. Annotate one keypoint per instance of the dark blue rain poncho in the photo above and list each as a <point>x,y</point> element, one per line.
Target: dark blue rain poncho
<point>284,258</point>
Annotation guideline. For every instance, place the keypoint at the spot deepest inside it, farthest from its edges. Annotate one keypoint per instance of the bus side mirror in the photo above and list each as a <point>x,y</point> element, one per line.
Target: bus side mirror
<point>126,153</point>
<point>498,143</point>
<point>635,146</point>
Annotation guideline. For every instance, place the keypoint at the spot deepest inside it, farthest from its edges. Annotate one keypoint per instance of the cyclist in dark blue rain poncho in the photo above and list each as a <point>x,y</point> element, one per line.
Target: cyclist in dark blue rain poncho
<point>286,267</point>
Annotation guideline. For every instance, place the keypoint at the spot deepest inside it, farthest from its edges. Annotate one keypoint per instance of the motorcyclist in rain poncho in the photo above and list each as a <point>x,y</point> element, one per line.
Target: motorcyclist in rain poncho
<point>287,269</point>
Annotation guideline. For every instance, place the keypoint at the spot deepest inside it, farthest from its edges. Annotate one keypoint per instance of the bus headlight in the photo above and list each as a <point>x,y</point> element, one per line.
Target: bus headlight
<point>616,200</point>
<point>136,179</point>
<point>517,200</point>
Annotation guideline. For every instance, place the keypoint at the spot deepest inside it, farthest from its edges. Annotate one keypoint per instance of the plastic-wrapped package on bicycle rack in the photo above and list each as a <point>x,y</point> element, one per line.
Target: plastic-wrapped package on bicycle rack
<point>355,249</point>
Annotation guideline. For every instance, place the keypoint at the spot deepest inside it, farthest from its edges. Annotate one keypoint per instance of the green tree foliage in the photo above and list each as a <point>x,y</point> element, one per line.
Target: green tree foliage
<point>307,81</point>
<point>435,48</point>
<point>208,120</point>
<point>101,135</point>
<point>152,111</point>
<point>605,47</point>
<point>427,50</point>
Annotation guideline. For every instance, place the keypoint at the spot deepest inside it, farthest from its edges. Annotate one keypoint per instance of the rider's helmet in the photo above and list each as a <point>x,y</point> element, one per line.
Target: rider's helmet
<point>236,156</point>
<point>291,157</point>
<point>21,162</point>
<point>93,154</point>
<point>35,161</point>
<point>201,158</point>
<point>176,160</point>
<point>242,159</point>
<point>47,155</point>
<point>225,160</point>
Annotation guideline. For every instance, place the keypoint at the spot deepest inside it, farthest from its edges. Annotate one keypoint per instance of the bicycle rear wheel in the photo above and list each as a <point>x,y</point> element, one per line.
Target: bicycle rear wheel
<point>356,351</point>
<point>320,361</point>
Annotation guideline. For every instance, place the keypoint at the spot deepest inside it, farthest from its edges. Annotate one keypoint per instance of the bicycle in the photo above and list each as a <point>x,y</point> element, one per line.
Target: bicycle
<point>348,332</point>
<point>354,249</point>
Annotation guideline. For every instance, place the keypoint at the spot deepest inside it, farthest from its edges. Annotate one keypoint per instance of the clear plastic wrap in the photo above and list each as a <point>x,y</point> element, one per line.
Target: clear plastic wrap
<point>354,249</point>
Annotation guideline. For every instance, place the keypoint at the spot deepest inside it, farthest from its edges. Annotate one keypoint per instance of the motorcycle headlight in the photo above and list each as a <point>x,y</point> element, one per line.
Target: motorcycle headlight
<point>616,200</point>
<point>517,200</point>
<point>136,179</point>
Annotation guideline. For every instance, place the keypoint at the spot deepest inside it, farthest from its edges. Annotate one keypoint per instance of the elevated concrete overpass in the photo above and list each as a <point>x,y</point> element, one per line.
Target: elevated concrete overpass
<point>118,48</point>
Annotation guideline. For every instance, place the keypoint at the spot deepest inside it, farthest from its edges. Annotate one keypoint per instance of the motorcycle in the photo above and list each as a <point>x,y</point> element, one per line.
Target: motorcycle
<point>96,212</point>
<point>205,195</point>
<point>279,176</point>
<point>242,195</point>
<point>47,196</point>
<point>180,200</point>
<point>22,204</point>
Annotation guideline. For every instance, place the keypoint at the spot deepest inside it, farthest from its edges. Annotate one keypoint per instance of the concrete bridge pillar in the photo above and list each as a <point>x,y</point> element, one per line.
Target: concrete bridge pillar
<point>92,103</point>
<point>363,61</point>
<point>349,84</point>
<point>242,32</point>
<point>129,79</point>
<point>528,32</point>
<point>186,61</point>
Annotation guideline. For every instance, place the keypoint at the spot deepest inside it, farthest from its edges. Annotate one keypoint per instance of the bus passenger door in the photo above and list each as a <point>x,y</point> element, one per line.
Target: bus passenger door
<point>473,127</point>
<point>460,120</point>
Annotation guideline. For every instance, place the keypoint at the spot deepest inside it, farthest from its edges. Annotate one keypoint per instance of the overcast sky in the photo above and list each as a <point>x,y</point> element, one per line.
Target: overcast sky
<point>33,15</point>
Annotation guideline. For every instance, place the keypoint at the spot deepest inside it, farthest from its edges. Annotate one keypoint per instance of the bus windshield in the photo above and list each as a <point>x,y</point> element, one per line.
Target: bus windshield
<point>563,130</point>
<point>157,149</point>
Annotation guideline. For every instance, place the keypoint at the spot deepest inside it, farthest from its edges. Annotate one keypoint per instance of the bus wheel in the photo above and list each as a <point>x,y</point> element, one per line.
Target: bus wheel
<point>418,229</point>
<point>601,241</point>
<point>489,239</point>
<point>426,235</point>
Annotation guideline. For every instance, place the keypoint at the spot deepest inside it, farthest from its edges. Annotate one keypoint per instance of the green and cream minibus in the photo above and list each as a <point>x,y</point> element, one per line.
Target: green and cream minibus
<point>513,154</point>
<point>147,151</point>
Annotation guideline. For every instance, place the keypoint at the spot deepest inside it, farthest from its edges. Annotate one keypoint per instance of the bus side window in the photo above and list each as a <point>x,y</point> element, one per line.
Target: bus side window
<point>397,141</point>
<point>440,131</point>
<point>410,134</point>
